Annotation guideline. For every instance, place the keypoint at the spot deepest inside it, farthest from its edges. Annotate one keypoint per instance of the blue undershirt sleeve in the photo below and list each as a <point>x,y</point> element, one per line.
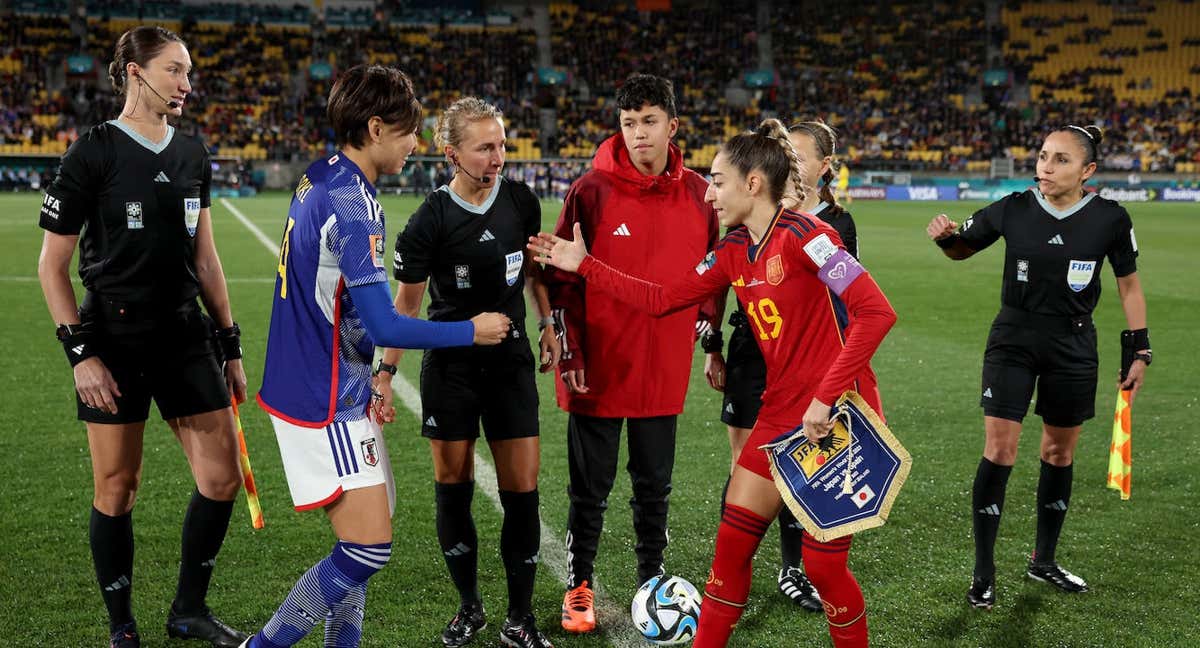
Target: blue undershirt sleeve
<point>390,329</point>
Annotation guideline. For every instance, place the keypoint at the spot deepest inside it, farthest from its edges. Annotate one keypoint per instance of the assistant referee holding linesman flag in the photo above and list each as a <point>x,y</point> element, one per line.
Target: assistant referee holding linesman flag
<point>134,193</point>
<point>1056,238</point>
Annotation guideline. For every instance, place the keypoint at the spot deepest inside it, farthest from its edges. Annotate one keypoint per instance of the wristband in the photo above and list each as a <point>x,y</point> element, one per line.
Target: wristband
<point>712,342</point>
<point>948,242</point>
<point>385,368</point>
<point>544,322</point>
<point>78,342</point>
<point>229,340</point>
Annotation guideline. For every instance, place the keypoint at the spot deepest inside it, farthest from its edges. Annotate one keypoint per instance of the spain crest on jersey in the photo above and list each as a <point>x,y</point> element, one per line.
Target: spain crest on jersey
<point>849,481</point>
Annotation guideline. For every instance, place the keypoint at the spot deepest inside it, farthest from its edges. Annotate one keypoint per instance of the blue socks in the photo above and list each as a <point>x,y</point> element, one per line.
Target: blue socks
<point>334,589</point>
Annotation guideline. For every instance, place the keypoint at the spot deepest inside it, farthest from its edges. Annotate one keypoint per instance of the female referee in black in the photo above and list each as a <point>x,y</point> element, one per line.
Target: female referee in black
<point>469,237</point>
<point>139,193</point>
<point>743,376</point>
<point>1056,238</point>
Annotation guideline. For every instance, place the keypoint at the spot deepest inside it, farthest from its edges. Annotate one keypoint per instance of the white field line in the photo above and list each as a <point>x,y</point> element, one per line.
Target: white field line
<point>617,626</point>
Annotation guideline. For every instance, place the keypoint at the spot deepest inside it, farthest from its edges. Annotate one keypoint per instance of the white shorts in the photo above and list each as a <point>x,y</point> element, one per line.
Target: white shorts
<point>322,463</point>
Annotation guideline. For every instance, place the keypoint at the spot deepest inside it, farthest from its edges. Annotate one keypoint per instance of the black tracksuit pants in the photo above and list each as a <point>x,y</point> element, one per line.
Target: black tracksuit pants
<point>593,444</point>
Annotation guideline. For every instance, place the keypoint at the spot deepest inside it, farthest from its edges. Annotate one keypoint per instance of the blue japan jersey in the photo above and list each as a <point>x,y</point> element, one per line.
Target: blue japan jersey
<point>318,365</point>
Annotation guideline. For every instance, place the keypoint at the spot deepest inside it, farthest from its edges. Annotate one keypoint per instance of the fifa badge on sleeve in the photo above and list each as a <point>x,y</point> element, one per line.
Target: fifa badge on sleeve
<point>847,483</point>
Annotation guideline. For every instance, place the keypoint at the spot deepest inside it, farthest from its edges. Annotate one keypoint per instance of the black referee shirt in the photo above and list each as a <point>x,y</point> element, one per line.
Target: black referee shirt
<point>137,204</point>
<point>1053,257</point>
<point>475,255</point>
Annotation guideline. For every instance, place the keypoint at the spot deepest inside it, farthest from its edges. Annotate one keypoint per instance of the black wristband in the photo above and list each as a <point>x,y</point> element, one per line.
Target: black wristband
<point>385,367</point>
<point>229,341</point>
<point>1139,339</point>
<point>712,342</point>
<point>948,242</point>
<point>78,343</point>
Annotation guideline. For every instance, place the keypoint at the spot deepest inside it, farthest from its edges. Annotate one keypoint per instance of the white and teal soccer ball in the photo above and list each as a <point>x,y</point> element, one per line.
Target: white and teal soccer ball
<point>666,609</point>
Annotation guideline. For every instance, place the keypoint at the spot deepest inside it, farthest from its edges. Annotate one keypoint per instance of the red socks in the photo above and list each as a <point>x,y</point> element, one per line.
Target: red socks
<point>729,579</point>
<point>845,609</point>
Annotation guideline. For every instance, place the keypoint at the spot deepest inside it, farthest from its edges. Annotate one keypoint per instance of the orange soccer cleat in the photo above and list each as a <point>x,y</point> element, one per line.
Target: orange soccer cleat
<point>578,613</point>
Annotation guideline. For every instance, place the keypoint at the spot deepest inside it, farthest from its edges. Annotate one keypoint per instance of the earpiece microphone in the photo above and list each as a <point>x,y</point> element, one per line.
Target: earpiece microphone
<point>170,102</point>
<point>484,179</point>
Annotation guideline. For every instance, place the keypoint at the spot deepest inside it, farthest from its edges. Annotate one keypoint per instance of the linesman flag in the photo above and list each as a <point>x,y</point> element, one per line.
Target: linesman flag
<point>849,481</point>
<point>256,516</point>
<point>1120,453</point>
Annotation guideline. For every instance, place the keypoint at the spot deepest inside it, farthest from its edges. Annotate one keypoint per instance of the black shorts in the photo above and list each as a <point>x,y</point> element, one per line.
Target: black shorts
<point>745,379</point>
<point>172,362</point>
<point>1056,354</point>
<point>460,387</point>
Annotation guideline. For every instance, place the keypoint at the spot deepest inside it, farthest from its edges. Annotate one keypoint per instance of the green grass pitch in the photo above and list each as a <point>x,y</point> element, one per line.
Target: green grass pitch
<point>1139,556</point>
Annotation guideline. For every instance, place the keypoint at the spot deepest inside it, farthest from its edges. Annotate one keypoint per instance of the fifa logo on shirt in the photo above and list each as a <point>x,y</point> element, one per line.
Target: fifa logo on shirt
<point>51,206</point>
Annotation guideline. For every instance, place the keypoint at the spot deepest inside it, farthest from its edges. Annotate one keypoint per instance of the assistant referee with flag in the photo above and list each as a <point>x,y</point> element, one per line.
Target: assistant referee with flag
<point>1057,237</point>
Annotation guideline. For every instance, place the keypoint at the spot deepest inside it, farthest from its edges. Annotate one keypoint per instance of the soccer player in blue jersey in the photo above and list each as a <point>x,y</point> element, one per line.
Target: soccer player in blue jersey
<point>332,306</point>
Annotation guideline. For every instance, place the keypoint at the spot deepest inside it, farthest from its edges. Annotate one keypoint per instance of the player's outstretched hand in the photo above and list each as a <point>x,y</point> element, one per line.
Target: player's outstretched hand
<point>96,386</point>
<point>490,328</point>
<point>940,227</point>
<point>817,424</point>
<point>558,252</point>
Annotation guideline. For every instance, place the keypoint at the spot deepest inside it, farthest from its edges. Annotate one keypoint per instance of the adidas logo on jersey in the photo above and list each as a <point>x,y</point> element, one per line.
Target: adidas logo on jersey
<point>78,350</point>
<point>161,177</point>
<point>429,422</point>
<point>1057,240</point>
<point>487,236</point>
<point>990,509</point>
<point>623,230</point>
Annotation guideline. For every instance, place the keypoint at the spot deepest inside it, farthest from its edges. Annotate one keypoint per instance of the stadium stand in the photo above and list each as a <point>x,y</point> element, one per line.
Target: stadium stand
<point>902,81</point>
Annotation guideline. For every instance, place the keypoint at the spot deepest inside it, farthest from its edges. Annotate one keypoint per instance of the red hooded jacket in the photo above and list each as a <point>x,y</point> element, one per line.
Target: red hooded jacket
<point>653,227</point>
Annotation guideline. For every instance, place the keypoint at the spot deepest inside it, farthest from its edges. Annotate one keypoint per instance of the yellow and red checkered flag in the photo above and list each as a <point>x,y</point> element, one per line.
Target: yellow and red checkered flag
<point>1120,453</point>
<point>256,516</point>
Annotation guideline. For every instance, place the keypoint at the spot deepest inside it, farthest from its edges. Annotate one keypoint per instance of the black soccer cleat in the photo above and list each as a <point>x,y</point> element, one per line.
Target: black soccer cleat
<point>523,634</point>
<point>645,574</point>
<point>1057,576</point>
<point>125,636</point>
<point>205,627</point>
<point>465,625</point>
<point>796,586</point>
<point>982,594</point>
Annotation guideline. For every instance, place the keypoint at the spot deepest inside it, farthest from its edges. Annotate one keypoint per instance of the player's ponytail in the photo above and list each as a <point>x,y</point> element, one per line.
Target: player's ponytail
<point>768,149</point>
<point>826,140</point>
<point>1089,138</point>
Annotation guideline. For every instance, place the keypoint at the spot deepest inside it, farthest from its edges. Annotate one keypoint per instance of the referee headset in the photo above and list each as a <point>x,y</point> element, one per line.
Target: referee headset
<point>483,179</point>
<point>171,103</point>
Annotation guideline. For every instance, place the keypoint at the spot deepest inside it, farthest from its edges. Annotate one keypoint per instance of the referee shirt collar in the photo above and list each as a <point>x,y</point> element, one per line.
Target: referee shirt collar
<point>474,209</point>
<point>153,147</point>
<point>1060,214</point>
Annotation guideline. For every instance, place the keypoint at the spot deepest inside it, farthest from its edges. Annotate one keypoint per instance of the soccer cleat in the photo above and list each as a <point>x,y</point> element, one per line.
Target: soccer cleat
<point>204,626</point>
<point>796,586</point>
<point>125,636</point>
<point>578,613</point>
<point>1057,576</point>
<point>523,634</point>
<point>982,593</point>
<point>465,625</point>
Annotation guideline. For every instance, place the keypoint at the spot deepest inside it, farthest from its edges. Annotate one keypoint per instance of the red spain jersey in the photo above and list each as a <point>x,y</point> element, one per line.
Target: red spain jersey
<point>817,314</point>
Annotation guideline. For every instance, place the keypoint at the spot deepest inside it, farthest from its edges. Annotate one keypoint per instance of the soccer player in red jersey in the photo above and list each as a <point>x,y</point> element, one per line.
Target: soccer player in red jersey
<point>802,290</point>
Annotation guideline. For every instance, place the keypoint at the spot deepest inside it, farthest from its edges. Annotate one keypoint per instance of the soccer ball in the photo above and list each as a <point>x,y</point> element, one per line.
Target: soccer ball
<point>666,609</point>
